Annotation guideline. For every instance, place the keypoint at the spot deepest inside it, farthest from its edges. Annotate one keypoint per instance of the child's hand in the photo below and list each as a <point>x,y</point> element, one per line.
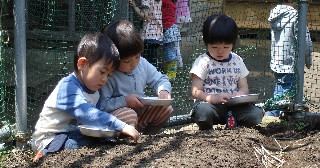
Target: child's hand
<point>132,3</point>
<point>131,131</point>
<point>236,94</point>
<point>133,101</point>
<point>164,95</point>
<point>220,98</point>
<point>308,66</point>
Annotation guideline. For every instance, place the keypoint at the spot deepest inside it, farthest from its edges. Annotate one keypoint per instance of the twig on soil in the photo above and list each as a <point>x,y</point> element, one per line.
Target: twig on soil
<point>281,148</point>
<point>267,158</point>
<point>291,145</point>
<point>278,143</point>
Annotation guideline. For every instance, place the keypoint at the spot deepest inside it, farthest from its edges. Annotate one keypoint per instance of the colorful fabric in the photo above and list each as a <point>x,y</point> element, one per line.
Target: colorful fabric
<point>183,12</point>
<point>168,13</point>
<point>172,34</point>
<point>152,31</point>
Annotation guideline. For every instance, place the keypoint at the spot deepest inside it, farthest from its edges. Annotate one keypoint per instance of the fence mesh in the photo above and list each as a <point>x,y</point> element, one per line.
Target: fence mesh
<point>53,27</point>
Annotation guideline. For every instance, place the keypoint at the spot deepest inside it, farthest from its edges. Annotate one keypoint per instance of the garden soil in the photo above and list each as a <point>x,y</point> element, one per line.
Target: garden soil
<point>285,143</point>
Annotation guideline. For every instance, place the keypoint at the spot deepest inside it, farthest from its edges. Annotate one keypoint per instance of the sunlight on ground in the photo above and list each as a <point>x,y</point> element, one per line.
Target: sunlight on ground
<point>193,127</point>
<point>269,119</point>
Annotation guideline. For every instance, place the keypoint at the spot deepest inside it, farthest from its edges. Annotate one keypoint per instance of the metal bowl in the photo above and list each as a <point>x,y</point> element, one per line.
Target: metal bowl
<point>155,101</point>
<point>97,132</point>
<point>249,98</point>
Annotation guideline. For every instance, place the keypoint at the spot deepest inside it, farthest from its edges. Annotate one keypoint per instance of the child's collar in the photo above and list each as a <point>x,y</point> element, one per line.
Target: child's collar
<point>74,74</point>
<point>224,60</point>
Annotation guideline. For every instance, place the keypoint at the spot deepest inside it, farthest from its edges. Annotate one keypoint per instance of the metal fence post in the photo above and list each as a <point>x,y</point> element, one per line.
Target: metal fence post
<point>302,22</point>
<point>20,73</point>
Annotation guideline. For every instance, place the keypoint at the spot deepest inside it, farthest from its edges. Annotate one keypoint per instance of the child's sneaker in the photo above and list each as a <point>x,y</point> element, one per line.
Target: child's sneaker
<point>111,139</point>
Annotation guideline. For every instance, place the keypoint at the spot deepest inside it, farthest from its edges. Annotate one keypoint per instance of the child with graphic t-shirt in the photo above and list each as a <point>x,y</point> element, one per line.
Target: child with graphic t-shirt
<point>218,75</point>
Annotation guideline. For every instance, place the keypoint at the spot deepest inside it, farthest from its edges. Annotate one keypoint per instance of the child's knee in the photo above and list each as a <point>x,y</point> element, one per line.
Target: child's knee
<point>71,144</point>
<point>165,114</point>
<point>126,115</point>
<point>202,110</point>
<point>253,118</point>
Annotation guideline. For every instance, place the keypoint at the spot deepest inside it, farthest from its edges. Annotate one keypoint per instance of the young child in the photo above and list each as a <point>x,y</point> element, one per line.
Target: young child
<point>127,83</point>
<point>152,31</point>
<point>171,38</point>
<point>182,16</point>
<point>284,28</point>
<point>75,100</point>
<point>220,74</point>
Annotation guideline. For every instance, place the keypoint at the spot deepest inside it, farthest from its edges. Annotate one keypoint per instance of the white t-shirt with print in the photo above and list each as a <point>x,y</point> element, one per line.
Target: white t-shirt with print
<point>219,76</point>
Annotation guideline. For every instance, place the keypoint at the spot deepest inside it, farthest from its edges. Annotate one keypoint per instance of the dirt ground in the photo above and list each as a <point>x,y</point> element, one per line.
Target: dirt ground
<point>278,143</point>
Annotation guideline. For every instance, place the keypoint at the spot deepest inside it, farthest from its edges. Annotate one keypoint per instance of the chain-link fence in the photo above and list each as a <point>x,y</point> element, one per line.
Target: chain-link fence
<point>53,28</point>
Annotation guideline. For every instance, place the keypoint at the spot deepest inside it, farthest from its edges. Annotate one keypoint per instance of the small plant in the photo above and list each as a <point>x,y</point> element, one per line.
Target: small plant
<point>284,122</point>
<point>2,153</point>
<point>301,125</point>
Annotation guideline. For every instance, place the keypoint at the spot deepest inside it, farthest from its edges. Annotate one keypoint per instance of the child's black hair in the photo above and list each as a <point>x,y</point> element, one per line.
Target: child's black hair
<point>95,47</point>
<point>283,1</point>
<point>125,37</point>
<point>219,28</point>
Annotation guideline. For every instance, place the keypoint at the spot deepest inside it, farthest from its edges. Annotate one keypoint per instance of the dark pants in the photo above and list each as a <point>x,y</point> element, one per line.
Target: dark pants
<point>150,53</point>
<point>207,114</point>
<point>285,83</point>
<point>69,140</point>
